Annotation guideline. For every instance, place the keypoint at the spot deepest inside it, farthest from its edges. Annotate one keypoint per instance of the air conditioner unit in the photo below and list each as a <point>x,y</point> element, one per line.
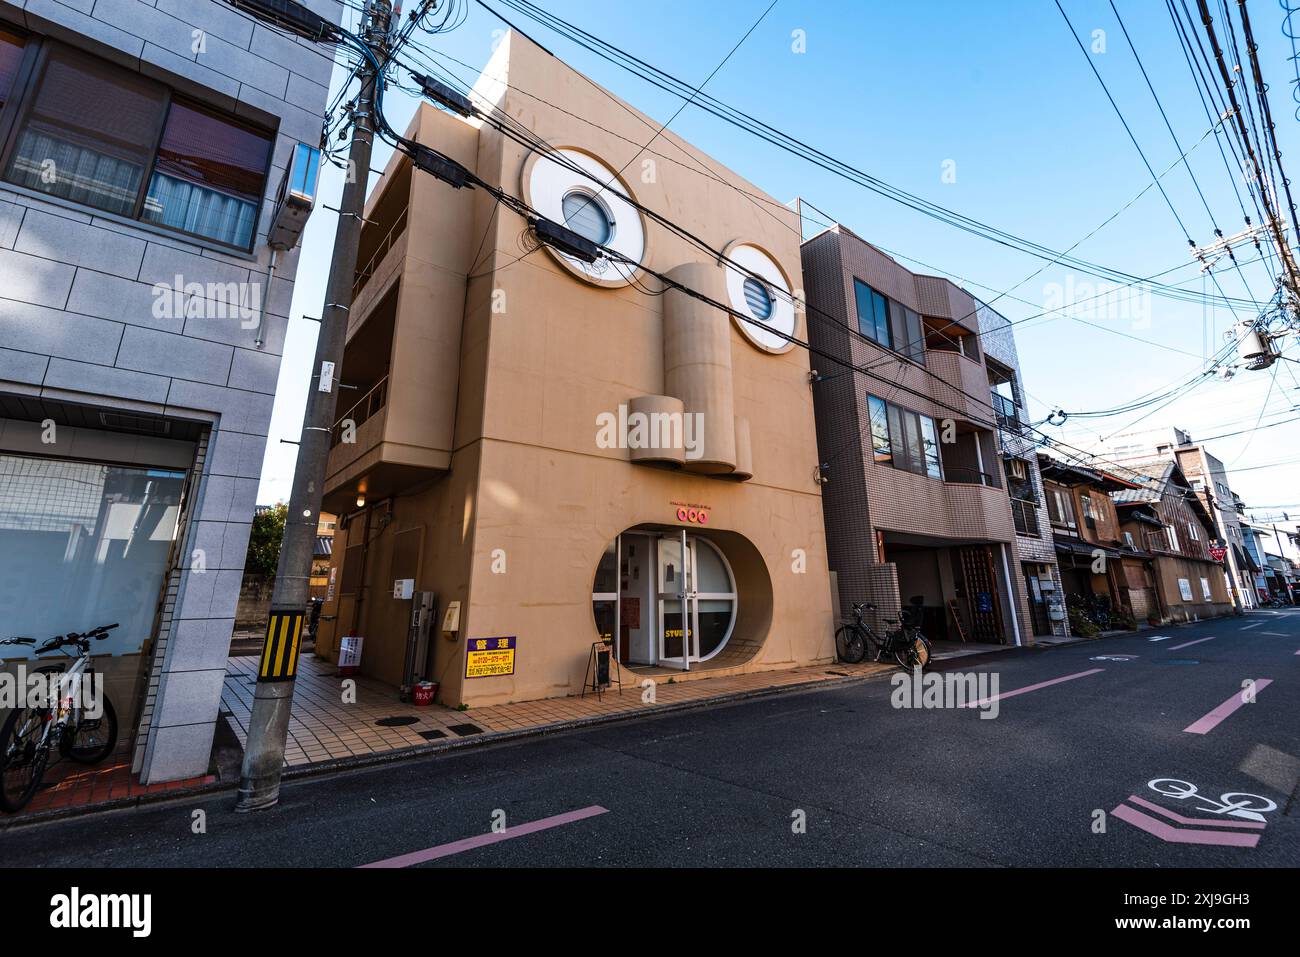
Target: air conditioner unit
<point>296,199</point>
<point>1016,469</point>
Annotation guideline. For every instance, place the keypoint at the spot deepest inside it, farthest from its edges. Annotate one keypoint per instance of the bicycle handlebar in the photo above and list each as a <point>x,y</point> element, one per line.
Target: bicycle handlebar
<point>98,633</point>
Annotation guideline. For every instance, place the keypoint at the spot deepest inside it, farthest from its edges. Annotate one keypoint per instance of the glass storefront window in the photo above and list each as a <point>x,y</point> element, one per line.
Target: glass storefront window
<point>84,544</point>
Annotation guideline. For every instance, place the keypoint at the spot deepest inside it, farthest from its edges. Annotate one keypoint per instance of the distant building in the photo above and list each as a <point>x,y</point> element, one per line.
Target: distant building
<point>1208,477</point>
<point>1165,517</point>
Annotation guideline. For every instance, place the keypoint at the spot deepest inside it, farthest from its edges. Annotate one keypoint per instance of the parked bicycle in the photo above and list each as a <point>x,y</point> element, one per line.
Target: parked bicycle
<point>31,733</point>
<point>905,644</point>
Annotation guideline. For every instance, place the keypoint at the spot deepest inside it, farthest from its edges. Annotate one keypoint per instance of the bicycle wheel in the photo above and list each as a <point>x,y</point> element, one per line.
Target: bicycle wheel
<point>94,738</point>
<point>849,645</point>
<point>911,652</point>
<point>22,757</point>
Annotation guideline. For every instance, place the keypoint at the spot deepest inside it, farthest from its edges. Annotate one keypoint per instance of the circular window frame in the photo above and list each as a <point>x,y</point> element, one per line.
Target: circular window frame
<point>779,289</point>
<point>615,276</point>
<point>591,196</point>
<point>766,290</point>
<point>732,596</point>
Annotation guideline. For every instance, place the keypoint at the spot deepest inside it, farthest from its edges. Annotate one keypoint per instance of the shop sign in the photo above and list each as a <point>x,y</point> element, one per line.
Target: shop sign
<point>329,592</point>
<point>490,657</point>
<point>692,513</point>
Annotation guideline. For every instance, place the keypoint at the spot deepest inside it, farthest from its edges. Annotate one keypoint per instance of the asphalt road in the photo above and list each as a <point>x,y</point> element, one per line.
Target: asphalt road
<point>873,784</point>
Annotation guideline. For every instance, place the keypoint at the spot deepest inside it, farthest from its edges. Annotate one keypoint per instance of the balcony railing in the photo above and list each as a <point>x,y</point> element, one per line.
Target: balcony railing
<point>1026,517</point>
<point>965,476</point>
<point>368,270</point>
<point>368,405</point>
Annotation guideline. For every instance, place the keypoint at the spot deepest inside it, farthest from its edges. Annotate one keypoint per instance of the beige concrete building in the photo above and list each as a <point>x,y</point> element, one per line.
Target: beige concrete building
<point>561,451</point>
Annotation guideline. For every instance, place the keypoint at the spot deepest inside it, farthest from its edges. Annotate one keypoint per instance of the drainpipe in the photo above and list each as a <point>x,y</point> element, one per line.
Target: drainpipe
<point>1011,594</point>
<point>261,313</point>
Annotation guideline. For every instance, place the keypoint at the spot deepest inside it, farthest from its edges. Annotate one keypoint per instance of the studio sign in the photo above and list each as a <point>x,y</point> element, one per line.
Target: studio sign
<point>694,514</point>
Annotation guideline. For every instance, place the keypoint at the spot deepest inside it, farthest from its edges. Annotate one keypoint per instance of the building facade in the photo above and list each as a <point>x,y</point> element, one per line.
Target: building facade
<point>1208,477</point>
<point>563,452</point>
<point>931,487</point>
<point>1165,517</point>
<point>1103,574</point>
<point>142,320</point>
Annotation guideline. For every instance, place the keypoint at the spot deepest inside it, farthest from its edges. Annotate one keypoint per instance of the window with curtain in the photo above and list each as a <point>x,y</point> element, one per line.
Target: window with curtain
<point>208,177</point>
<point>904,439</point>
<point>11,57</point>
<point>97,134</point>
<point>88,133</point>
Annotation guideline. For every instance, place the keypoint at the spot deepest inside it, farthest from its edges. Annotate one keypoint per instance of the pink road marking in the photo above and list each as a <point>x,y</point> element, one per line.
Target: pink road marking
<point>1188,644</point>
<point>1216,822</point>
<point>1171,834</point>
<point>1208,723</point>
<point>482,840</point>
<point>1028,688</point>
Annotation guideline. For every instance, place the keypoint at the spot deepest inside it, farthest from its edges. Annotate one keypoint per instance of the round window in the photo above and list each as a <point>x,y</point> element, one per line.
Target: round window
<point>587,216</point>
<point>758,299</point>
<point>571,187</point>
<point>761,300</point>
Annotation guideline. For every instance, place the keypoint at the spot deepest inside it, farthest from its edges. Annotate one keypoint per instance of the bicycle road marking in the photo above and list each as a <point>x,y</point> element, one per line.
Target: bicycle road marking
<point>1188,644</point>
<point>1209,722</point>
<point>482,840</point>
<point>1033,687</point>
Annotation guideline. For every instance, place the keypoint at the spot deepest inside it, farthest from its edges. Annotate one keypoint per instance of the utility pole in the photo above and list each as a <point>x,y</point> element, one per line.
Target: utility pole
<point>259,783</point>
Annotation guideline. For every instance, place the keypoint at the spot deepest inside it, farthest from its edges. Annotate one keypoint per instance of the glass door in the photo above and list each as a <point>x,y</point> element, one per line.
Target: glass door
<point>678,629</point>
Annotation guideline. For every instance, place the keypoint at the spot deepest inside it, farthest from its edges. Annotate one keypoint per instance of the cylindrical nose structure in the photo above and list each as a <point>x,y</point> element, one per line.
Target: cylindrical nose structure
<point>653,436</point>
<point>697,367</point>
<point>744,453</point>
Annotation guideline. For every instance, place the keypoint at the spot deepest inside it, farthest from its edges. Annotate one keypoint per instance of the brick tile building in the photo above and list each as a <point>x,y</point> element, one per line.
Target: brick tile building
<point>931,487</point>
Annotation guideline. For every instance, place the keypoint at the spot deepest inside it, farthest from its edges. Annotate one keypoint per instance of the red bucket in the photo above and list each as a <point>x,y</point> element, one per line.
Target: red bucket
<point>423,693</point>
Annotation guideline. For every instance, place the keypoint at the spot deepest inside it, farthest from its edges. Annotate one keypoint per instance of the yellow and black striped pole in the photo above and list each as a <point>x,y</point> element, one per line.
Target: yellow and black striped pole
<point>280,650</point>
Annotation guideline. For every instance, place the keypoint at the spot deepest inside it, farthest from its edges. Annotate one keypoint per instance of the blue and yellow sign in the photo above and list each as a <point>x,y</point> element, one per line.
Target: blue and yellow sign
<point>490,657</point>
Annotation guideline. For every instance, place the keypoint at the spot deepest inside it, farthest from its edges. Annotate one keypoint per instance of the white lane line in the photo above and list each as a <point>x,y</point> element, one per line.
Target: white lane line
<point>1256,625</point>
<point>1161,638</point>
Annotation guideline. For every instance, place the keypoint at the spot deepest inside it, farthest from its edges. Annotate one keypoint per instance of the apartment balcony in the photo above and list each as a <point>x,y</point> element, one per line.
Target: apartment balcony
<point>395,432</point>
<point>960,384</point>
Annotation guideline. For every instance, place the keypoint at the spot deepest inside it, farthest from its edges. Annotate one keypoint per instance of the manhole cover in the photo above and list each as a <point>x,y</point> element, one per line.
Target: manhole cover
<point>1177,661</point>
<point>397,721</point>
<point>432,735</point>
<point>466,729</point>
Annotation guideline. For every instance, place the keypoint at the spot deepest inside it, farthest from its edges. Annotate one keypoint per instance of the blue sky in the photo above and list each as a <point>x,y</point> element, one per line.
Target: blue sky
<point>996,92</point>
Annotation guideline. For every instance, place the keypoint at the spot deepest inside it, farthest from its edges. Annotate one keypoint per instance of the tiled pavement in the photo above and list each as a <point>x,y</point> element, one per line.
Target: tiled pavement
<point>69,785</point>
<point>324,728</point>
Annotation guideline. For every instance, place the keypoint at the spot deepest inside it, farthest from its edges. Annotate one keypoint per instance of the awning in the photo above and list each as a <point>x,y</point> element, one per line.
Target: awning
<point>324,546</point>
<point>1243,559</point>
<point>1084,549</point>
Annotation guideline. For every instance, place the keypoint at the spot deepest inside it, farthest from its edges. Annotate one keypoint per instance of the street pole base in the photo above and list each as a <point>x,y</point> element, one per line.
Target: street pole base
<point>252,798</point>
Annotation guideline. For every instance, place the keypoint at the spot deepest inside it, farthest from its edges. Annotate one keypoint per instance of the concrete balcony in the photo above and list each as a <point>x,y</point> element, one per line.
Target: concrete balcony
<point>960,383</point>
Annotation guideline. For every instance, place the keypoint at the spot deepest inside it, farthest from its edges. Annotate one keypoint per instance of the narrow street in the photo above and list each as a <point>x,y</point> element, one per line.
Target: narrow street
<point>1092,726</point>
